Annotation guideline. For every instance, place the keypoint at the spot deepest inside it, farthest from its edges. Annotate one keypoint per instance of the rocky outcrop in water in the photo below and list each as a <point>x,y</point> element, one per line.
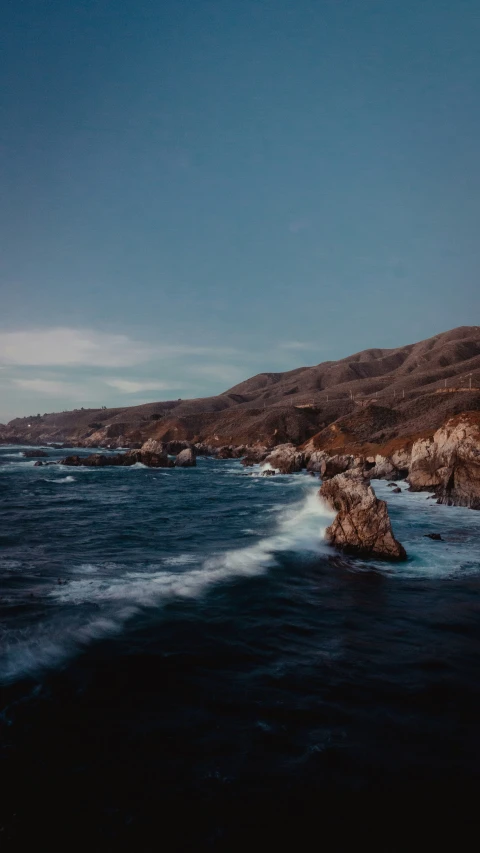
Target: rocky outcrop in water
<point>186,458</point>
<point>254,456</point>
<point>286,459</point>
<point>449,463</point>
<point>384,468</point>
<point>35,454</point>
<point>153,446</point>
<point>100,460</point>
<point>362,525</point>
<point>333,465</point>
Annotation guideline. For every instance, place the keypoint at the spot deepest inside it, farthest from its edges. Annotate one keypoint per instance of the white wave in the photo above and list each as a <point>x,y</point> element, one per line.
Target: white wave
<point>68,479</point>
<point>300,529</point>
<point>50,645</point>
<point>12,467</point>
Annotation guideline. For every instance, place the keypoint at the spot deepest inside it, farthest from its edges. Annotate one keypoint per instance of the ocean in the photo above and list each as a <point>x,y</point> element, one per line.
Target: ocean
<point>185,664</point>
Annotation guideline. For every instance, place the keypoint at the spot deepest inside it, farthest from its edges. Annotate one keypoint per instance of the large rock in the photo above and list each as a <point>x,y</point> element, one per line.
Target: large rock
<point>153,446</point>
<point>362,525</point>
<point>151,460</point>
<point>333,465</point>
<point>186,458</point>
<point>286,459</point>
<point>254,455</point>
<point>385,469</point>
<point>316,459</point>
<point>449,463</point>
<point>35,454</point>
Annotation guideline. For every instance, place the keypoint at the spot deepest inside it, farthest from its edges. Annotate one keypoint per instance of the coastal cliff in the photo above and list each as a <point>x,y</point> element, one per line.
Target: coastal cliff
<point>385,414</point>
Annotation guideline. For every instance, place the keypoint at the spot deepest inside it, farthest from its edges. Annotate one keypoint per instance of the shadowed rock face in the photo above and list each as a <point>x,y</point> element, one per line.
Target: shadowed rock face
<point>254,455</point>
<point>362,525</point>
<point>286,459</point>
<point>99,460</point>
<point>449,463</point>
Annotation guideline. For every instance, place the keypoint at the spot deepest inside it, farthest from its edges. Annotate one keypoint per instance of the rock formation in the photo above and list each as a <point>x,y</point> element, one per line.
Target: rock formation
<point>362,525</point>
<point>333,465</point>
<point>35,454</point>
<point>153,446</point>
<point>254,455</point>
<point>100,460</point>
<point>286,459</point>
<point>449,463</point>
<point>186,458</point>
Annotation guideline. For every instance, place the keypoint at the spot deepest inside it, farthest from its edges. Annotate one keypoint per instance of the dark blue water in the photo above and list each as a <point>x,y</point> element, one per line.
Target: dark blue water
<point>186,665</point>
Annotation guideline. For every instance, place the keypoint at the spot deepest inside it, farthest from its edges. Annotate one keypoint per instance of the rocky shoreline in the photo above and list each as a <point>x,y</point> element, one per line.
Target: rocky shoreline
<point>446,462</point>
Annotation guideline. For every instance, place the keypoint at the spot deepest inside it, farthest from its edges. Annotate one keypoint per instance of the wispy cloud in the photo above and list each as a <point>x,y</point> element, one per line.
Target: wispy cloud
<point>52,387</point>
<point>69,347</point>
<point>298,345</point>
<point>130,386</point>
<point>63,347</point>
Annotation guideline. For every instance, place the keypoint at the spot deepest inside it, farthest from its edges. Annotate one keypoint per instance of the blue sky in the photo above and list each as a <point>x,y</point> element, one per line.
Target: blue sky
<point>200,190</point>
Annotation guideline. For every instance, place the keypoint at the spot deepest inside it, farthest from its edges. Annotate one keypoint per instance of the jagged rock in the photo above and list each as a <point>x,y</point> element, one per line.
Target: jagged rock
<point>333,465</point>
<point>202,449</point>
<point>254,455</point>
<point>151,460</point>
<point>176,446</point>
<point>449,463</point>
<point>286,459</point>
<point>35,454</point>
<point>99,460</point>
<point>153,446</point>
<point>269,473</point>
<point>186,458</point>
<point>396,490</point>
<point>317,457</point>
<point>38,464</point>
<point>385,469</point>
<point>362,525</point>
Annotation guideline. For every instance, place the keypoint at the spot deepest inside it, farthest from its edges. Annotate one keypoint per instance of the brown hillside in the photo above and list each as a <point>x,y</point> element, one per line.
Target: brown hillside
<point>374,395</point>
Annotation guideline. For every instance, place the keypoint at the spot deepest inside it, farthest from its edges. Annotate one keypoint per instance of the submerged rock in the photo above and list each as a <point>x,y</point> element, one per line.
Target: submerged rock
<point>35,454</point>
<point>362,525</point>
<point>435,536</point>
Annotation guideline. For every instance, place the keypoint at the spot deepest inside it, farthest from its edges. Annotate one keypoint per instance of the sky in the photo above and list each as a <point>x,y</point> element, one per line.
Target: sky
<point>196,191</point>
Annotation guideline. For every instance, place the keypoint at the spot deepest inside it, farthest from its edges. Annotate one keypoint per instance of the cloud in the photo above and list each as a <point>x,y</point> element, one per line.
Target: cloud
<point>46,386</point>
<point>69,347</point>
<point>135,387</point>
<point>62,346</point>
<point>300,345</point>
